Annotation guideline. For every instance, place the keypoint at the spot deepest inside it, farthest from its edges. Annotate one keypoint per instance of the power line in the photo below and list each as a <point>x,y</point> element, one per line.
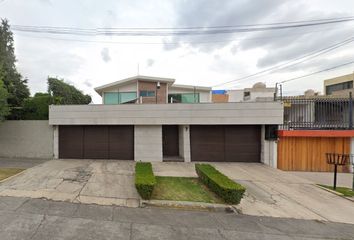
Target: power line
<point>190,32</point>
<point>313,73</point>
<point>294,61</point>
<point>174,43</point>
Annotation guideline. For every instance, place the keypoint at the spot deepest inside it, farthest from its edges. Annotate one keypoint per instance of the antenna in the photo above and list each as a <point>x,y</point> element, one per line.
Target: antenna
<point>138,69</point>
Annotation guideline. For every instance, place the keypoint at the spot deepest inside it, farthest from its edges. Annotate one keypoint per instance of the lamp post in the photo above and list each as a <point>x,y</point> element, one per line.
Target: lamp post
<point>158,85</point>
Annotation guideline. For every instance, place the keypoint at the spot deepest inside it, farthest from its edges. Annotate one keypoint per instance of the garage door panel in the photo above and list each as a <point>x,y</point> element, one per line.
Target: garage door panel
<point>207,143</point>
<point>121,142</point>
<point>70,142</point>
<point>96,142</point>
<point>229,143</point>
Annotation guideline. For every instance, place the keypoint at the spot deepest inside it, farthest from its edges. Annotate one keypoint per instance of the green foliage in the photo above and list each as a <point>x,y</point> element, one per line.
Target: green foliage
<point>15,84</point>
<point>223,186</point>
<point>145,180</point>
<point>183,189</point>
<point>37,107</point>
<point>66,93</point>
<point>4,109</point>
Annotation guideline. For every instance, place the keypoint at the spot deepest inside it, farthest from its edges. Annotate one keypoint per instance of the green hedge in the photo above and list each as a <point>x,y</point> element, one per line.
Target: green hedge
<point>223,186</point>
<point>144,179</point>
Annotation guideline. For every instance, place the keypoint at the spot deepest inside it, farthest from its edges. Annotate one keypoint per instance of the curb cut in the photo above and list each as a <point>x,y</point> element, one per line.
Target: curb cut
<point>185,205</point>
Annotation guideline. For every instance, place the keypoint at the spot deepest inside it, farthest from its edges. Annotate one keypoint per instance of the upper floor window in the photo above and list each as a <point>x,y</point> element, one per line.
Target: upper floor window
<point>339,86</point>
<point>184,98</point>
<point>147,93</point>
<point>119,97</point>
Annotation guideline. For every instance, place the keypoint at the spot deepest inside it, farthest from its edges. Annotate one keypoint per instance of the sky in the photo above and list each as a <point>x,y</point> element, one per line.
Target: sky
<point>206,60</point>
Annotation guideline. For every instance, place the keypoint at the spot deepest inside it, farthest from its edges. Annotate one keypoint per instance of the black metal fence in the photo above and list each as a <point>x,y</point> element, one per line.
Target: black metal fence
<point>317,112</point>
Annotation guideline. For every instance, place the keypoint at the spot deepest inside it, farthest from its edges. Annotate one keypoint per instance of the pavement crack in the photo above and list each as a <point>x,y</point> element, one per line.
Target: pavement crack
<point>24,202</point>
<point>221,234</point>
<point>131,231</point>
<point>38,227</point>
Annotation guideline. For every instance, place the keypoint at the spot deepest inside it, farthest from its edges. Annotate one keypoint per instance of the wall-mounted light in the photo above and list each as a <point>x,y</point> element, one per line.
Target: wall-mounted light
<point>158,85</point>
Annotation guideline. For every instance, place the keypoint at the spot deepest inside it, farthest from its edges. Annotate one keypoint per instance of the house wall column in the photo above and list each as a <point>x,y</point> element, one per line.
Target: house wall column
<point>55,141</point>
<point>184,142</point>
<point>269,150</point>
<point>351,152</point>
<point>148,143</point>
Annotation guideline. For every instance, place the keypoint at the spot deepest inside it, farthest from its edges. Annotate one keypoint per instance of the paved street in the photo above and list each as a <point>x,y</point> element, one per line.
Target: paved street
<point>22,218</point>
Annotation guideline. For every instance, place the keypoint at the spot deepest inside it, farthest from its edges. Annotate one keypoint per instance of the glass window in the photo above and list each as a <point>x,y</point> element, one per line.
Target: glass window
<point>127,97</point>
<point>339,86</point>
<point>118,97</point>
<point>111,98</point>
<point>147,93</point>
<point>184,98</point>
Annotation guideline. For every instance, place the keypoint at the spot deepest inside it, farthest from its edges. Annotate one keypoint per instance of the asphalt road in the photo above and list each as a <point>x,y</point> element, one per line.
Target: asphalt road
<point>22,218</point>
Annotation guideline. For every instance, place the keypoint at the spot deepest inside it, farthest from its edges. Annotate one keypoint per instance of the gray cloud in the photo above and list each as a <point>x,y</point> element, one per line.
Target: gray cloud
<point>87,83</point>
<point>105,55</point>
<point>150,62</point>
<point>280,45</point>
<point>215,13</point>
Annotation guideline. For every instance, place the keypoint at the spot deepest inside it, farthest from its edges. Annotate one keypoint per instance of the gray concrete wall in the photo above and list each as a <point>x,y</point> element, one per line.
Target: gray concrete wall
<point>26,139</point>
<point>184,143</point>
<point>179,114</point>
<point>148,143</point>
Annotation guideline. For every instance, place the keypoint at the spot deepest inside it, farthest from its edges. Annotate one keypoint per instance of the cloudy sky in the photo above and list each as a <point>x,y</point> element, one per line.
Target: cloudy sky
<point>208,60</point>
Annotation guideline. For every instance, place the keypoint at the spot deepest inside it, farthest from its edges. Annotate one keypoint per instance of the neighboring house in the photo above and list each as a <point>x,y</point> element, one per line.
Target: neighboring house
<point>259,91</point>
<point>152,129</point>
<point>144,89</point>
<point>341,85</point>
<point>313,126</point>
<point>220,96</point>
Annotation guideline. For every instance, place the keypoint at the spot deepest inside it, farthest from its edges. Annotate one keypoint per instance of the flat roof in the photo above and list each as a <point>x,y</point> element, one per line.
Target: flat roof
<point>132,79</point>
<point>200,88</point>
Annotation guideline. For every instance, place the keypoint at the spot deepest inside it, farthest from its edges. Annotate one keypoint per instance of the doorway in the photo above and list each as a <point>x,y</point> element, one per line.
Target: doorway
<point>170,142</point>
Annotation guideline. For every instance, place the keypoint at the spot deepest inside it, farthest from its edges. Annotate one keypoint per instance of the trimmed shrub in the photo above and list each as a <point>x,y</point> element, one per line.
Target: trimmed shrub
<point>145,180</point>
<point>220,184</point>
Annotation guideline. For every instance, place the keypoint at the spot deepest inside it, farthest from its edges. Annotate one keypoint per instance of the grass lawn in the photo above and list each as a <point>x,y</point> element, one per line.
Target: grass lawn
<point>8,172</point>
<point>183,189</point>
<point>348,192</point>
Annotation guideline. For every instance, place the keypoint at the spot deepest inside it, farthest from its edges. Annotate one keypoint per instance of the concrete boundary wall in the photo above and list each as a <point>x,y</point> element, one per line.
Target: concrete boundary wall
<point>26,139</point>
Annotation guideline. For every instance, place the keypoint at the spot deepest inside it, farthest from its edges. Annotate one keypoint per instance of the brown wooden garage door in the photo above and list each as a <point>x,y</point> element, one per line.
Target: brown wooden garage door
<point>229,143</point>
<point>96,142</point>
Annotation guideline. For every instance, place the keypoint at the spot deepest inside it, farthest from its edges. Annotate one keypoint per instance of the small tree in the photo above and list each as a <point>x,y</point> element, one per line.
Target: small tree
<point>66,93</point>
<point>4,108</point>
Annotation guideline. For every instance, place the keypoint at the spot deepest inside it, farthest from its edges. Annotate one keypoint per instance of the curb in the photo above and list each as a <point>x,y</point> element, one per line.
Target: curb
<point>336,193</point>
<point>185,205</point>
<point>8,178</point>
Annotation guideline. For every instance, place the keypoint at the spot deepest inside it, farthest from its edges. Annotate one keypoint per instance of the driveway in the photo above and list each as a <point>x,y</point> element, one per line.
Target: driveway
<point>101,182</point>
<point>326,178</point>
<point>275,193</point>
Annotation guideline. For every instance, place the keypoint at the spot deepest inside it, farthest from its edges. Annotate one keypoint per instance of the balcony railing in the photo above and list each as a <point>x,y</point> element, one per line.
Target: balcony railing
<point>317,112</point>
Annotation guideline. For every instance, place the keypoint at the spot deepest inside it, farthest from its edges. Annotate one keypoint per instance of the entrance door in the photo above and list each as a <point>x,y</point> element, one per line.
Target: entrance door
<point>170,140</point>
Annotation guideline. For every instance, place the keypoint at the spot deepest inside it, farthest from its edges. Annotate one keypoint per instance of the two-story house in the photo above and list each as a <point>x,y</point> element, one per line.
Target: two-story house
<point>152,119</point>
